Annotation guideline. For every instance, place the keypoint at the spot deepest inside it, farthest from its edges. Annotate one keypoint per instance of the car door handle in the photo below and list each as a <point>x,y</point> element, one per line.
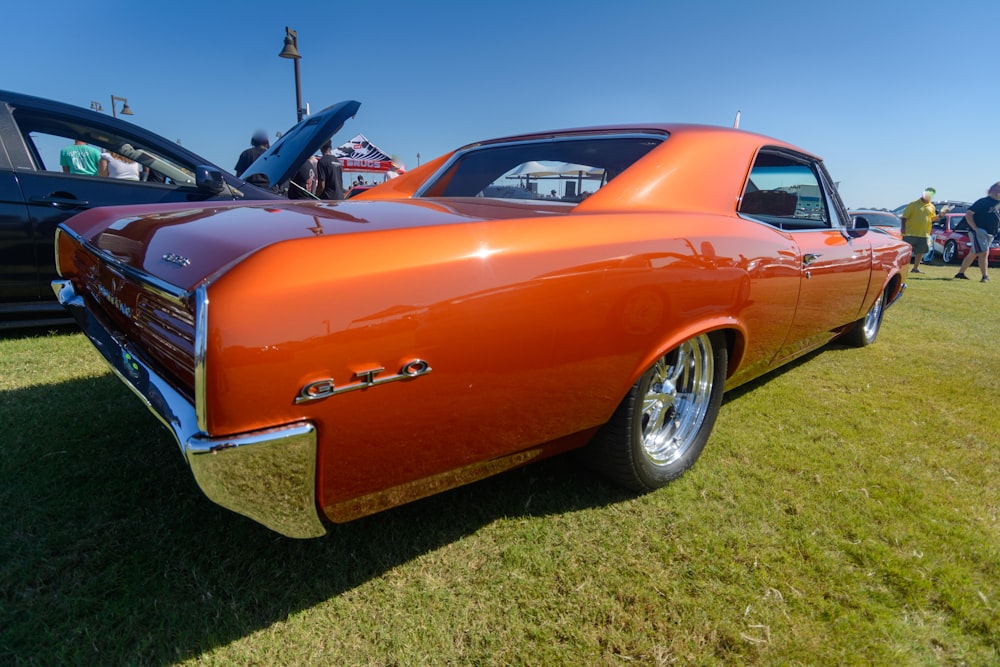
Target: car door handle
<point>809,258</point>
<point>61,202</point>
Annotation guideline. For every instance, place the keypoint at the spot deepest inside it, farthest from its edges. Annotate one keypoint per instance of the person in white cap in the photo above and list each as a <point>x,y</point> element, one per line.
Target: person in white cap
<point>917,220</point>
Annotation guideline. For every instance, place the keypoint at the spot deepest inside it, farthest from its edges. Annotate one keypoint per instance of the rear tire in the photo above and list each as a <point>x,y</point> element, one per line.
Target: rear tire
<point>660,428</point>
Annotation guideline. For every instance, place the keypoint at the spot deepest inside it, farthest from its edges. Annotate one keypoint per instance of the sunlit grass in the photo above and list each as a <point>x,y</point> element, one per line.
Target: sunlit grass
<point>845,512</point>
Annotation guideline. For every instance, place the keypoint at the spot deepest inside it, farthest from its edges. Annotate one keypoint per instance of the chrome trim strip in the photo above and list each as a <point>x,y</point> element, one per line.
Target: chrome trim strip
<point>154,284</point>
<point>268,476</point>
<point>200,350</point>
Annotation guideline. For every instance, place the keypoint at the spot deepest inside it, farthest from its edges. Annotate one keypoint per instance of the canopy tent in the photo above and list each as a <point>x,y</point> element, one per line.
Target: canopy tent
<point>359,154</point>
<point>556,171</point>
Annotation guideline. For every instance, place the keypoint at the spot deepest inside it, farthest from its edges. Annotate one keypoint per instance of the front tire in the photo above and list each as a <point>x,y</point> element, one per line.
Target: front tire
<point>864,332</point>
<point>949,252</point>
<point>660,428</point>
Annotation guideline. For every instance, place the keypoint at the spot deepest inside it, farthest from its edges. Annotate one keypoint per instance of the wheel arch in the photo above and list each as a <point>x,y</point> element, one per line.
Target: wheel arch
<point>732,332</point>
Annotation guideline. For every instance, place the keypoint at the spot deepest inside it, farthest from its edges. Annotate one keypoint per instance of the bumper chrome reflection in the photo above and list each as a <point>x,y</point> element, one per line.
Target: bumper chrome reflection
<point>268,476</point>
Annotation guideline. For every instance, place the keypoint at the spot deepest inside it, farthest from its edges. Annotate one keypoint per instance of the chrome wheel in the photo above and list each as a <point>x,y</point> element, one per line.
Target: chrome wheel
<point>676,400</point>
<point>873,320</point>
<point>661,426</point>
<point>948,254</point>
<point>864,331</point>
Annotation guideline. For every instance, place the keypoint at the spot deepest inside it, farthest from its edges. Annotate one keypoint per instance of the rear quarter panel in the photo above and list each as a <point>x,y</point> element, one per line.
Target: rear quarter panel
<point>534,330</point>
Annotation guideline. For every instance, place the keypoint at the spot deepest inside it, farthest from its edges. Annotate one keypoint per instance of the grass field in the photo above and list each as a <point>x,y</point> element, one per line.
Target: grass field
<point>845,512</point>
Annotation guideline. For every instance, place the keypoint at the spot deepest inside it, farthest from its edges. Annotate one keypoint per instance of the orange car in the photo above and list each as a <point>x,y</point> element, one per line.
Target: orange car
<point>320,361</point>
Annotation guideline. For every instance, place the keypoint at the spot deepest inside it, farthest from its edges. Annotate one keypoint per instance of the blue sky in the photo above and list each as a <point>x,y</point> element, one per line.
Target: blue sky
<point>894,94</point>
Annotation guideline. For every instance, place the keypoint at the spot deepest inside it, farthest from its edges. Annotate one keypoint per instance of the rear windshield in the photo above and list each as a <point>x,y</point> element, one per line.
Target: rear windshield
<point>569,169</point>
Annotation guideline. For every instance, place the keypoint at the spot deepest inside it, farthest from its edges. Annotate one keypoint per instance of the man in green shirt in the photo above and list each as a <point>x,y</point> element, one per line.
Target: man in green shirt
<point>80,158</point>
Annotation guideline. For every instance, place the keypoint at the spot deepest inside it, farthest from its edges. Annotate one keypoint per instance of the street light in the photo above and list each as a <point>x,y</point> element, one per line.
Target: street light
<point>96,106</point>
<point>291,50</point>
<point>125,110</point>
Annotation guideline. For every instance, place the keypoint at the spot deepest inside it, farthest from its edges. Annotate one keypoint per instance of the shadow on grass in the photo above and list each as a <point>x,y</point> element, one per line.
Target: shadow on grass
<point>110,553</point>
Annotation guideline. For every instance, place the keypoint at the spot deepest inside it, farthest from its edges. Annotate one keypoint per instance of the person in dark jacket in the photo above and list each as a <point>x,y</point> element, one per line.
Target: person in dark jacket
<point>984,221</point>
<point>329,174</point>
<point>258,144</point>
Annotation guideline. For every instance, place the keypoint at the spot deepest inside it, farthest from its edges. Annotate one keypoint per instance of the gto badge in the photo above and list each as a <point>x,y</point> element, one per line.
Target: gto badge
<point>174,258</point>
<point>325,388</point>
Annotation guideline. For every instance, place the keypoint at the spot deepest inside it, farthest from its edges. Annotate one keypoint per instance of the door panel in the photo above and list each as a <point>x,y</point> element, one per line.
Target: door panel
<point>52,197</point>
<point>835,275</point>
<point>18,260</point>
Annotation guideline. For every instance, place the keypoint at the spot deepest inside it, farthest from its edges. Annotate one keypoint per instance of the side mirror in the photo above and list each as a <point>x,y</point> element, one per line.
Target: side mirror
<point>859,228</point>
<point>209,179</point>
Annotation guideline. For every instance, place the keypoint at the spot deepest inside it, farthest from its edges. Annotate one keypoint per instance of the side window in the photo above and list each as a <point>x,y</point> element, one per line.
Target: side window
<point>123,157</point>
<point>786,192</point>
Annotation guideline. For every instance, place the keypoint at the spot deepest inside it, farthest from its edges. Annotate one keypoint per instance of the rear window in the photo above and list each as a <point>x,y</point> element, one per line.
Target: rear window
<point>569,169</point>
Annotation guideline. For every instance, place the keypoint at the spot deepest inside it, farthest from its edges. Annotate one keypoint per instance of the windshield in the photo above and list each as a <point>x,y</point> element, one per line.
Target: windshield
<point>568,169</point>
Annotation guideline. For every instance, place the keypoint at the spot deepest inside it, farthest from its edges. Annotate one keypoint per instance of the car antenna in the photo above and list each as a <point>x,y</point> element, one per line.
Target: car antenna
<point>736,124</point>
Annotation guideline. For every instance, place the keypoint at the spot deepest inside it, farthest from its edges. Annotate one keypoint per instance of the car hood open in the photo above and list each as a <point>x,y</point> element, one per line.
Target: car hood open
<point>279,162</point>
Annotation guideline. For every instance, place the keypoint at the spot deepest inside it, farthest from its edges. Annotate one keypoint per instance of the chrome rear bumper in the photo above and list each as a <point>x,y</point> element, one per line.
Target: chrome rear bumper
<point>268,476</point>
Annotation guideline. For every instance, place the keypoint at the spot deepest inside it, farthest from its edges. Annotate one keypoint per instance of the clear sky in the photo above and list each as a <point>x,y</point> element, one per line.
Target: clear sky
<point>893,94</point>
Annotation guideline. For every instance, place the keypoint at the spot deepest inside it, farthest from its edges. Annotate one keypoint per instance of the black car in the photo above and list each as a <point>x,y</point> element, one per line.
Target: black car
<point>36,194</point>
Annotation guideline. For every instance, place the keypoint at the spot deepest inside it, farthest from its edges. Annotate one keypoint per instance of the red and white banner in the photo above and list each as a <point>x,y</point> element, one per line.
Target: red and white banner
<point>359,154</point>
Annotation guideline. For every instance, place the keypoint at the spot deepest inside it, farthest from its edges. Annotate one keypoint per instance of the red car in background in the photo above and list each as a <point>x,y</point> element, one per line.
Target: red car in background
<point>950,238</point>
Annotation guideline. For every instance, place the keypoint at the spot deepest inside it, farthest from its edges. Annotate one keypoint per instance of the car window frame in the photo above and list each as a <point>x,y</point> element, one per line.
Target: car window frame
<point>835,214</point>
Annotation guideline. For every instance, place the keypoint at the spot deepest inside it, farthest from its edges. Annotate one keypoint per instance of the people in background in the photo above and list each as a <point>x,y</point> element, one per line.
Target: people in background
<point>984,220</point>
<point>258,144</point>
<point>329,174</point>
<point>917,219</point>
<point>80,158</point>
<point>114,165</point>
<point>303,182</point>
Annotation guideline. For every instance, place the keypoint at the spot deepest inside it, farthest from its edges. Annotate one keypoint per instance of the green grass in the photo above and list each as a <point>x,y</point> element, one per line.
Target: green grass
<point>845,512</point>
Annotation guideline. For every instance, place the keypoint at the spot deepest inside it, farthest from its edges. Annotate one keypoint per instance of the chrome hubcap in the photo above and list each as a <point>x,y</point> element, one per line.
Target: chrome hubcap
<point>677,399</point>
<point>873,318</point>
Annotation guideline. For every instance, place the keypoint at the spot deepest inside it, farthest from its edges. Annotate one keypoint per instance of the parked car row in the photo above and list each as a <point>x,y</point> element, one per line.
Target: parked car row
<point>333,359</point>
<point>36,195</point>
<point>949,234</point>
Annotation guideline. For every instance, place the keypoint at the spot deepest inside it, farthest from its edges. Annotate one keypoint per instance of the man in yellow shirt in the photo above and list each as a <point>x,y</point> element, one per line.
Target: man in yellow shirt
<point>917,219</point>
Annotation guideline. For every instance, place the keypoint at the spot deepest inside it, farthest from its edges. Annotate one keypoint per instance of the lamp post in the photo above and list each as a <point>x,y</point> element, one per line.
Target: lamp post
<point>96,106</point>
<point>125,110</point>
<point>291,50</point>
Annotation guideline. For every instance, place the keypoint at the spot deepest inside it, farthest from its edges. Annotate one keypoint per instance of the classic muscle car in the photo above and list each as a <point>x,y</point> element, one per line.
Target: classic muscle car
<point>36,194</point>
<point>318,362</point>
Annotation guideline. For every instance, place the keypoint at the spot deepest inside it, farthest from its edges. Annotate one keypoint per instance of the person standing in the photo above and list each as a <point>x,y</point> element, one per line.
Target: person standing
<point>80,158</point>
<point>303,182</point>
<point>114,165</point>
<point>984,220</point>
<point>917,219</point>
<point>329,174</point>
<point>258,144</point>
